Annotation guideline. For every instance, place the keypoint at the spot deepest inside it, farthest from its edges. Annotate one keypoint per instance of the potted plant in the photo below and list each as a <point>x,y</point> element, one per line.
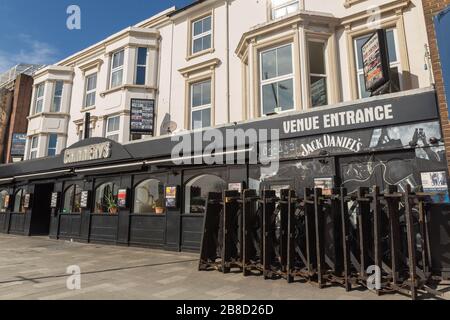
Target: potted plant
<point>111,203</point>
<point>158,206</point>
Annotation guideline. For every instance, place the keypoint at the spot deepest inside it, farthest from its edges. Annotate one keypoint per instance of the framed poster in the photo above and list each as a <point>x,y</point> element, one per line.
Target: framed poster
<point>375,61</point>
<point>326,184</point>
<point>84,199</point>
<point>235,187</point>
<point>27,201</point>
<point>18,144</point>
<point>142,116</point>
<point>54,200</point>
<point>122,198</point>
<point>436,183</point>
<point>171,195</point>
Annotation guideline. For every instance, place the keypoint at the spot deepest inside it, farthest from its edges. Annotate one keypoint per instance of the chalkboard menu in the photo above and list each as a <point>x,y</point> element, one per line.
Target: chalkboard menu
<point>142,116</point>
<point>18,144</point>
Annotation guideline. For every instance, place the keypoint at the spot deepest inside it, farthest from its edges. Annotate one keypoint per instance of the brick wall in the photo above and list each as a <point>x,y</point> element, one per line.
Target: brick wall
<point>431,8</point>
<point>6,99</point>
<point>20,110</point>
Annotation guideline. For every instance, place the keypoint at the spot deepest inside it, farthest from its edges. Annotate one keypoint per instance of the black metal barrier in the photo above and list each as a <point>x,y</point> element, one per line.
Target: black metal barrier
<point>371,239</point>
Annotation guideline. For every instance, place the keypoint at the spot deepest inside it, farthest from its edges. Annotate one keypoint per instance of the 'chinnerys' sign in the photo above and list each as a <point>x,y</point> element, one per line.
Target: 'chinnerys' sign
<point>88,153</point>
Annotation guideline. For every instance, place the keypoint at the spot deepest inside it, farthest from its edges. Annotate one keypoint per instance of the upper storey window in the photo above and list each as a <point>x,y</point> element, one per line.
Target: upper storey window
<point>117,69</point>
<point>281,8</point>
<point>277,80</point>
<point>57,96</point>
<point>141,66</point>
<point>39,101</point>
<point>202,34</point>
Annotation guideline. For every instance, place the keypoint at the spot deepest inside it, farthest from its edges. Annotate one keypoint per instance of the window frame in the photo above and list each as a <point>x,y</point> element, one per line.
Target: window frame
<point>116,69</point>
<point>48,144</point>
<point>108,133</point>
<point>92,91</point>
<point>276,79</point>
<point>53,109</point>
<point>203,107</point>
<point>274,8</point>
<point>34,149</point>
<point>318,75</point>
<point>140,185</point>
<point>141,66</point>
<point>114,187</point>
<point>39,98</point>
<point>360,71</point>
<point>190,183</point>
<point>22,209</point>
<point>72,211</point>
<point>201,35</point>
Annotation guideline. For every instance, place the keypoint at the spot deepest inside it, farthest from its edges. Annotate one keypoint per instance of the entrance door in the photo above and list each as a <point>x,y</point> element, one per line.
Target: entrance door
<point>41,214</point>
<point>379,170</point>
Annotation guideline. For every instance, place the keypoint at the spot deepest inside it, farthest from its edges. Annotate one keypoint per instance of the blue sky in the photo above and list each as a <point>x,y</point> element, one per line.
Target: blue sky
<point>34,31</point>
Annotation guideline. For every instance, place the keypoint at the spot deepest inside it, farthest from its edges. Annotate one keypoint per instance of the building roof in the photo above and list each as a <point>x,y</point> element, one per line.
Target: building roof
<point>11,75</point>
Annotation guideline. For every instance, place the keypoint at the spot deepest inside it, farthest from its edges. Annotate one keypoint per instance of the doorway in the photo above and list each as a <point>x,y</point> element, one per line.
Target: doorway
<point>41,214</point>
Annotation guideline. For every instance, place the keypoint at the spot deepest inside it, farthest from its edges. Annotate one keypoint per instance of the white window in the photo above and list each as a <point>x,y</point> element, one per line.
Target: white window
<point>117,69</point>
<point>281,8</point>
<point>201,104</point>
<point>91,87</point>
<point>34,147</point>
<point>39,100</point>
<point>201,34</point>
<point>318,74</point>
<point>52,144</point>
<point>141,66</point>
<point>394,60</point>
<point>57,96</point>
<point>113,128</point>
<point>277,80</point>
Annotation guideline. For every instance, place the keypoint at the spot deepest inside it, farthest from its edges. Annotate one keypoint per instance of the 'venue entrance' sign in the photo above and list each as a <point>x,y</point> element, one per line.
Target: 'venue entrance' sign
<point>88,153</point>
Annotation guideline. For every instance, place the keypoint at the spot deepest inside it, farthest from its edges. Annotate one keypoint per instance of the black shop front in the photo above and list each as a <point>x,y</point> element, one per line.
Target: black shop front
<point>98,191</point>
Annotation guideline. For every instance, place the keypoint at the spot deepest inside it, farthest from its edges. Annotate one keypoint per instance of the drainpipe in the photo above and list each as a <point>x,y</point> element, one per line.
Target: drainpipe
<point>228,61</point>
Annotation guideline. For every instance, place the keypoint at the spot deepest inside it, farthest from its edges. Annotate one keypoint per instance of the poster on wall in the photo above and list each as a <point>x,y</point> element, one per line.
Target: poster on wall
<point>142,116</point>
<point>326,184</point>
<point>436,183</point>
<point>235,187</point>
<point>172,197</point>
<point>18,144</point>
<point>54,200</point>
<point>84,199</point>
<point>375,61</point>
<point>27,201</point>
<point>6,202</point>
<point>122,198</point>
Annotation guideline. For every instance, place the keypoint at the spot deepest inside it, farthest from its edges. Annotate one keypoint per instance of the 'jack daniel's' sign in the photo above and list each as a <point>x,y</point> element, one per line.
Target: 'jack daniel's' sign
<point>88,153</point>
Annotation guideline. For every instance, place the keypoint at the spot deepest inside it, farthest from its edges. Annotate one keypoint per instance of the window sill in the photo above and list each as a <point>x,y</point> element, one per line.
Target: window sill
<point>87,109</point>
<point>200,53</point>
<point>126,87</point>
<point>52,114</point>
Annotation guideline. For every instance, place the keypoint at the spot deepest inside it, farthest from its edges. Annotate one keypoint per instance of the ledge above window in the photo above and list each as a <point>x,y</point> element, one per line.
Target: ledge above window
<point>126,87</point>
<point>210,64</point>
<point>95,64</point>
<point>349,3</point>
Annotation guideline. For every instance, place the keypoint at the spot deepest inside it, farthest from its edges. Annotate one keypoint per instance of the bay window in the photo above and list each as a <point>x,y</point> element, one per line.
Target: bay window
<point>91,87</point>
<point>34,147</point>
<point>277,80</point>
<point>52,144</point>
<point>202,34</point>
<point>394,61</point>
<point>39,99</point>
<point>318,74</point>
<point>201,104</point>
<point>117,69</point>
<point>281,8</point>
<point>57,96</point>
<point>141,66</point>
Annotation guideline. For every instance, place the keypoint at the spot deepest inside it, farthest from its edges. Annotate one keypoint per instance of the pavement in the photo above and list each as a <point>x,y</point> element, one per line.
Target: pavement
<point>37,269</point>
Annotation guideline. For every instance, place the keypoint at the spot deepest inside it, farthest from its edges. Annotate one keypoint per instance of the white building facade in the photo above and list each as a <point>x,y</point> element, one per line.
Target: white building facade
<point>223,61</point>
